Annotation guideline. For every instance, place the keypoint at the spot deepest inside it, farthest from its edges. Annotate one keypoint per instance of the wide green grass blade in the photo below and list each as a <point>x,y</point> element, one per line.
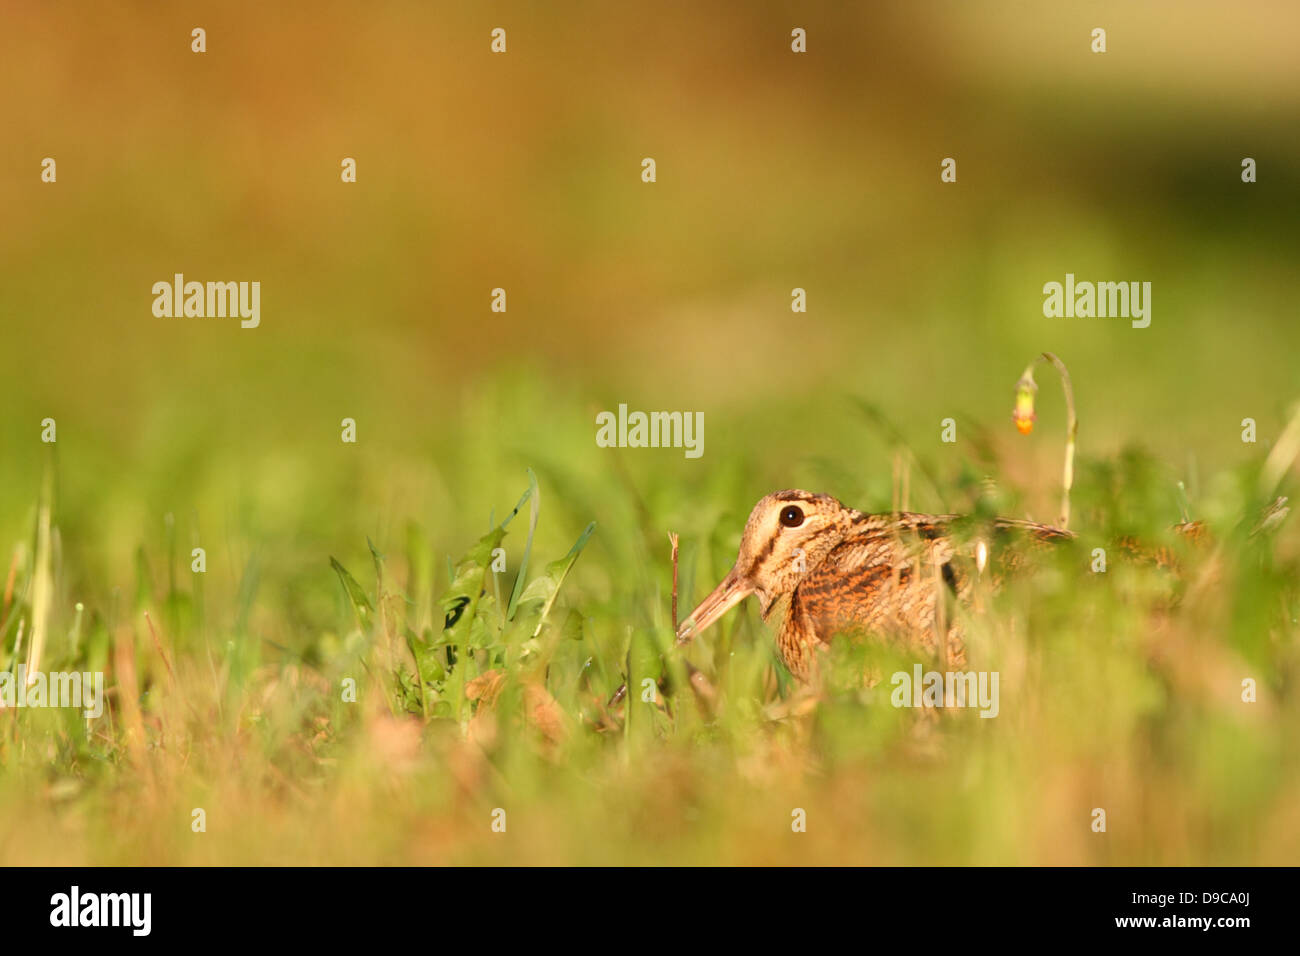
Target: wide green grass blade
<point>534,496</point>
<point>356,594</point>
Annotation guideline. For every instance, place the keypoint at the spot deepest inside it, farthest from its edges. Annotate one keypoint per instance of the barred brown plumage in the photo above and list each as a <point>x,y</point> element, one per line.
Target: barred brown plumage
<point>835,570</point>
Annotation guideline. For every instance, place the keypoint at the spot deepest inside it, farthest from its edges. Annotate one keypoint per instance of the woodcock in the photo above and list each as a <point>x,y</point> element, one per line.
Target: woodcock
<point>835,570</point>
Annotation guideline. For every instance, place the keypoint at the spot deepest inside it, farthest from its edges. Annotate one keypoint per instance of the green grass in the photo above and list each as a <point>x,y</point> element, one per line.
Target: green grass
<point>329,562</point>
<point>1119,690</point>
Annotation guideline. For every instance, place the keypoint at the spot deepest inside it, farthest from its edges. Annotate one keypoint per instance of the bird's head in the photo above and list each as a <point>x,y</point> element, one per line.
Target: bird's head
<point>787,536</point>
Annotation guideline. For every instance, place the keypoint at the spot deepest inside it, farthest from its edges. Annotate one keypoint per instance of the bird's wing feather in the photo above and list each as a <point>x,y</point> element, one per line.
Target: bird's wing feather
<point>882,578</point>
<point>890,574</point>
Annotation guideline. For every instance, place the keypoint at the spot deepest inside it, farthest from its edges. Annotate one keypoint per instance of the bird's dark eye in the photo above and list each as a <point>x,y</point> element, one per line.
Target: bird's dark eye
<point>791,516</point>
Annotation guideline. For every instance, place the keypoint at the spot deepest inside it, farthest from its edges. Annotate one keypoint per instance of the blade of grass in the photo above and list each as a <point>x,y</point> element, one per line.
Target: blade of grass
<point>534,496</point>
<point>547,587</point>
<point>42,581</point>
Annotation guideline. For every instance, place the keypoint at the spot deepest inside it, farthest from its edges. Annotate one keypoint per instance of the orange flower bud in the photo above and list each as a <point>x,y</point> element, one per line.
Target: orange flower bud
<point>1024,415</point>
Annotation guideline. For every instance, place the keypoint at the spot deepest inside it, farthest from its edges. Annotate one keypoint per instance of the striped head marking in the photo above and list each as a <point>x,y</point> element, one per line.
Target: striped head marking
<point>787,536</point>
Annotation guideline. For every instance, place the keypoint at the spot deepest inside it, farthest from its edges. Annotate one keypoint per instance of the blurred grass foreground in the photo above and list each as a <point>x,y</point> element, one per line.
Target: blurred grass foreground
<point>406,648</point>
<point>399,708</point>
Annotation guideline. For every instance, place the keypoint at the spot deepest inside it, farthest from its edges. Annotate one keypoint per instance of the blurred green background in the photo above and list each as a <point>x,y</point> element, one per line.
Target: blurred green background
<point>522,171</point>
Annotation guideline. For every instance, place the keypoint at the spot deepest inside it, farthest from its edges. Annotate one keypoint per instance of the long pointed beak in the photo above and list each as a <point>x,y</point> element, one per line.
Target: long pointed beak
<point>725,596</point>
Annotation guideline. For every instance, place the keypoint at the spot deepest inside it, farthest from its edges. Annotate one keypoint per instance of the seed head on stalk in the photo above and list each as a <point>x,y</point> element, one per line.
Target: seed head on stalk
<point>1024,417</point>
